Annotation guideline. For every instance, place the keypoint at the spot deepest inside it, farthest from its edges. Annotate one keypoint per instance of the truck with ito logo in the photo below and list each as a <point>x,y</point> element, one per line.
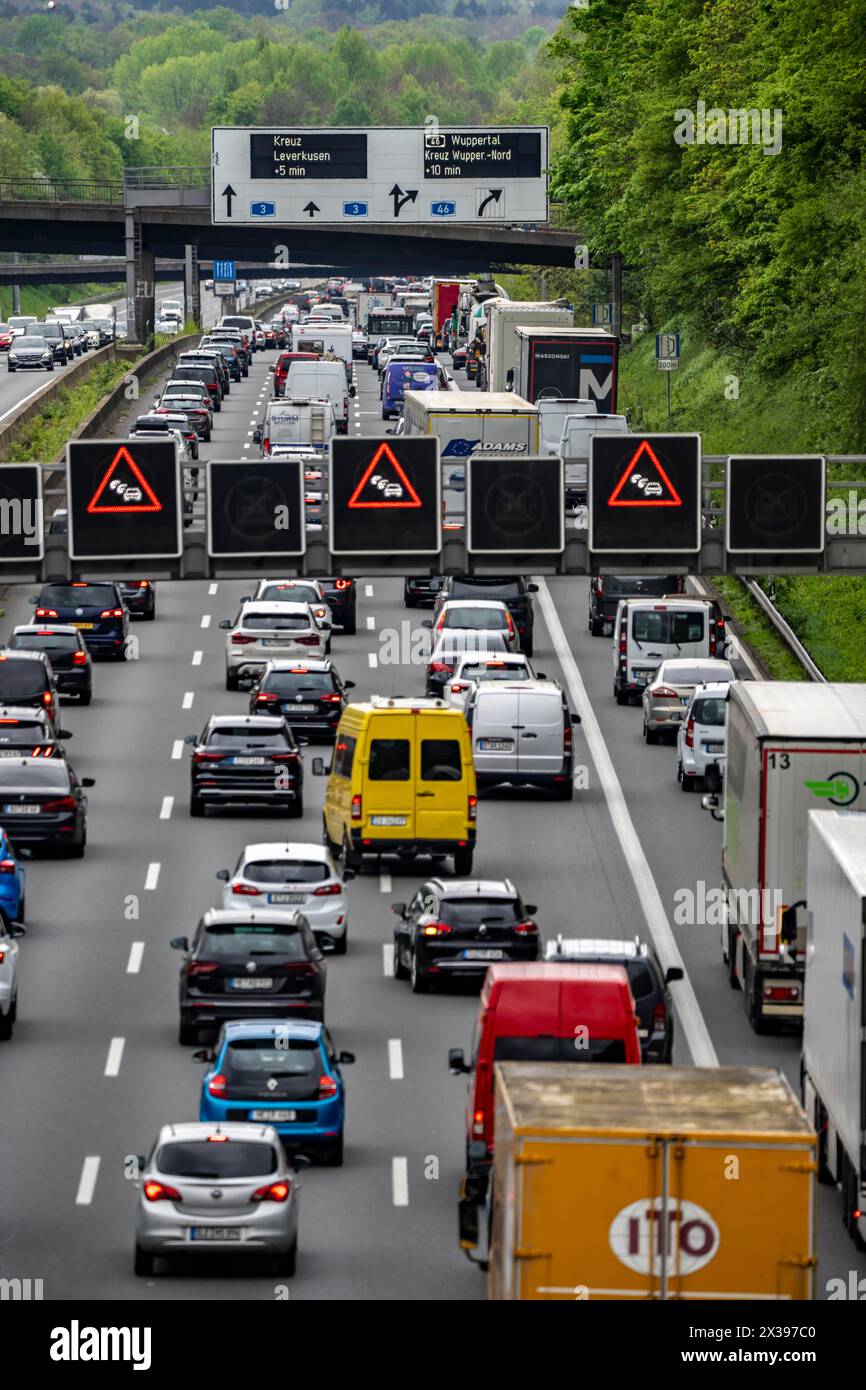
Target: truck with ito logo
<point>791,748</point>
<point>632,1183</point>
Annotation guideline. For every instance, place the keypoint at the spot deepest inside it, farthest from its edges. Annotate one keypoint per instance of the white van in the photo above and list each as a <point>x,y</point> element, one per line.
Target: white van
<point>648,631</point>
<point>521,733</point>
<point>296,420</point>
<point>574,447</point>
<point>552,415</point>
<point>324,381</point>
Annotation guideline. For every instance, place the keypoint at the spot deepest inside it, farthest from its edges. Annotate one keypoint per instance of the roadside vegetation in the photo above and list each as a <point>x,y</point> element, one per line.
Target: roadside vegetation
<point>43,437</point>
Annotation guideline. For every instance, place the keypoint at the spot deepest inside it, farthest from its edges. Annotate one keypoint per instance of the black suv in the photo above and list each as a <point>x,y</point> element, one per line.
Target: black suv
<point>454,929</point>
<point>252,759</point>
<point>421,588</point>
<point>94,606</point>
<point>26,678</point>
<point>511,589</point>
<point>262,962</point>
<point>649,985</point>
<point>66,650</point>
<point>57,336</point>
<point>606,590</point>
<point>310,695</point>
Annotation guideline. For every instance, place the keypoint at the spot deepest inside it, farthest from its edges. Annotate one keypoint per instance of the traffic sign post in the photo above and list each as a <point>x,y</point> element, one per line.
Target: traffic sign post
<point>515,506</point>
<point>644,494</point>
<point>385,496</point>
<point>602,315</point>
<point>667,360</point>
<point>413,174</point>
<point>21,513</point>
<point>255,508</point>
<point>124,499</point>
<point>775,504</point>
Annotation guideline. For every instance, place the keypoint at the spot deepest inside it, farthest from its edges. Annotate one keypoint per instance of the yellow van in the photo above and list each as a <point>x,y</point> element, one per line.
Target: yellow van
<point>402,782</point>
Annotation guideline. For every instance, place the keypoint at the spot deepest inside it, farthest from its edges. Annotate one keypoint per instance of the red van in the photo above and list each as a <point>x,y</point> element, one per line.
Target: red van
<point>542,1012</point>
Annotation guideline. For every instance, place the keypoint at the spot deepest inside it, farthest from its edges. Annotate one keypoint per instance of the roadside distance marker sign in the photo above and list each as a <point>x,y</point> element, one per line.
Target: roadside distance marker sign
<point>114,489</point>
<point>384,484</point>
<point>644,482</point>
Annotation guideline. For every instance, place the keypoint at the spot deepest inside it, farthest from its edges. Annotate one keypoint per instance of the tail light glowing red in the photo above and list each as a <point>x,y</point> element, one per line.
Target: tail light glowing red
<point>472,808</point>
<point>246,890</point>
<point>7,866</point>
<point>274,1192</point>
<point>111,613</point>
<point>79,658</point>
<point>526,929</point>
<point>690,734</point>
<point>217,1085</point>
<point>328,890</point>
<point>62,803</point>
<point>327,1087</point>
<point>357,813</point>
<point>161,1192</point>
<point>342,584</point>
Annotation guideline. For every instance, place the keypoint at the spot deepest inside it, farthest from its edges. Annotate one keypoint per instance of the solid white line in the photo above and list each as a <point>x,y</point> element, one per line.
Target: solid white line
<point>384,883</point>
<point>400,1181</point>
<point>371,623</point>
<point>87,1182</point>
<point>177,749</point>
<point>205,619</point>
<point>697,1035</point>
<point>196,658</point>
<point>165,809</point>
<point>136,951</point>
<point>395,1059</point>
<point>212,589</point>
<point>372,660</point>
<point>152,877</point>
<point>368,590</point>
<point>18,404</point>
<point>115,1054</point>
<point>188,697</point>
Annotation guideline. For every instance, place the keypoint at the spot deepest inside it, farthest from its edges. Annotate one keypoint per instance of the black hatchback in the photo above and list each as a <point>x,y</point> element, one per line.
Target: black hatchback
<point>66,650</point>
<point>43,802</point>
<point>29,733</point>
<point>456,929</point>
<point>259,963</point>
<point>247,759</point>
<point>310,695</point>
<point>511,589</point>
<point>649,985</point>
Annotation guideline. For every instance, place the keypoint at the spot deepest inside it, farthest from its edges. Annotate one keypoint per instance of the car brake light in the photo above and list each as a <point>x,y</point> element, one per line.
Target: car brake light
<point>46,612</point>
<point>2,957</point>
<point>274,1192</point>
<point>478,1122</point>
<point>342,584</point>
<point>311,641</point>
<point>206,757</point>
<point>161,1192</point>
<point>357,813</point>
<point>7,866</point>
<point>472,808</point>
<point>217,1085</point>
<point>334,699</point>
<point>567,737</point>
<point>239,639</point>
<point>665,692</point>
<point>660,1015</point>
<point>202,967</point>
<point>510,625</point>
<point>111,613</point>
<point>246,889</point>
<point>265,697</point>
<point>436,929</point>
<point>145,583</point>
<point>690,734</point>
<point>781,993</point>
<point>526,929</point>
<point>62,803</point>
<point>327,1087</point>
<point>47,697</point>
<point>327,890</point>
<point>79,658</point>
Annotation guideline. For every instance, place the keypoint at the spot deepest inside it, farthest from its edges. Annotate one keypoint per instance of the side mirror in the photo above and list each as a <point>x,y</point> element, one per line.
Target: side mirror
<point>353,390</point>
<point>346,1058</point>
<point>532,588</point>
<point>33,599</point>
<point>427,623</point>
<point>63,733</point>
<point>245,683</point>
<point>389,431</point>
<point>302,741</point>
<point>348,685</point>
<point>272,367</point>
<point>399,909</point>
<point>204,1054</point>
<point>531,908</point>
<point>191,738</point>
<point>24,853</point>
<point>88,781</point>
<point>223,875</point>
<point>673,972</point>
<point>179,943</point>
<point>456,1062</point>
<point>468,1222</point>
<point>540,676</point>
<point>575,718</point>
<point>257,436</point>
<point>225,624</point>
<point>319,768</point>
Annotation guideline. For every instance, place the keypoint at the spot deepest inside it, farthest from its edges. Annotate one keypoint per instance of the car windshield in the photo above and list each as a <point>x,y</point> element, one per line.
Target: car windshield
<point>478,619</point>
<point>548,1049</point>
<point>54,776</point>
<point>30,343</point>
<point>78,596</point>
<point>202,1158</point>
<point>20,679</point>
<point>228,942</point>
<point>248,1059</point>
<point>290,593</point>
<point>669,625</point>
<point>283,622</point>
<point>45,642</point>
<point>295,682</point>
<point>286,871</point>
<point>709,710</point>
<point>238,736</point>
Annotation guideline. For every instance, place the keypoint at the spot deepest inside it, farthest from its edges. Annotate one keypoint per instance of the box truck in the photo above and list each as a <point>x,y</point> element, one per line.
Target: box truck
<point>567,362</point>
<point>467,423</point>
<point>367,300</point>
<point>445,296</point>
<point>659,1183</point>
<point>791,747</point>
<point>502,319</point>
<point>834,1026</point>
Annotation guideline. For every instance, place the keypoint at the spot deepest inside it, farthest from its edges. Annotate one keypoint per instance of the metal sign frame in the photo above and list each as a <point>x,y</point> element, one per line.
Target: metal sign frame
<point>134,555</point>
<point>635,442</point>
<point>515,459</point>
<point>391,442</point>
<point>250,464</point>
<point>780,549</point>
<point>37,551</point>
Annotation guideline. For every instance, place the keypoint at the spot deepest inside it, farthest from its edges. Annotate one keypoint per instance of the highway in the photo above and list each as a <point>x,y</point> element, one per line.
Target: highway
<point>97,967</point>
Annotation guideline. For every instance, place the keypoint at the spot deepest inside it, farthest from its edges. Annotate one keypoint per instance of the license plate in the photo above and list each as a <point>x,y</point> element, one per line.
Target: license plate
<point>12,753</point>
<point>31,810</point>
<point>643,677</point>
<point>715,747</point>
<point>272,642</point>
<point>250,982</point>
<point>274,1116</point>
<point>86,626</point>
<point>482,955</point>
<point>300,709</point>
<point>388,820</point>
<point>287,897</point>
<point>248,762</point>
<point>495,745</point>
<point>215,1233</point>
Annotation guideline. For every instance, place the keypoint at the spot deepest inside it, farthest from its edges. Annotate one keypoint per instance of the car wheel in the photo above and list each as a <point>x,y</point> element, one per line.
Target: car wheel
<point>231,680</point>
<point>295,807</point>
<point>77,851</point>
<point>144,1262</point>
<point>334,1154</point>
<point>85,697</point>
<point>206,436</point>
<point>596,626</point>
<point>11,369</point>
<point>565,790</point>
<point>350,626</point>
<point>22,910</point>
<point>196,806</point>
<point>150,613</point>
<point>528,647</point>
<point>409,602</point>
<point>120,654</point>
<point>463,862</point>
<point>187,1034</point>
<point>341,944</point>
<point>733,980</point>
<point>351,859</point>
<point>620,695</point>
<point>398,969</point>
<point>7,1024</point>
<point>418,981</point>
<point>288,1263</point>
<point>649,735</point>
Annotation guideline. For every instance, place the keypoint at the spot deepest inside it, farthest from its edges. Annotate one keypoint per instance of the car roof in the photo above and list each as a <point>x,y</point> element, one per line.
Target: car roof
<point>265,722</point>
<point>546,687</point>
<point>466,887</point>
<point>290,583</point>
<point>713,690</point>
<point>239,917</point>
<point>288,850</point>
<point>594,946</point>
<point>201,1129</point>
<point>278,609</point>
<point>452,603</point>
<point>698,663</point>
<point>66,629</point>
<point>299,664</point>
<point>273,1028</point>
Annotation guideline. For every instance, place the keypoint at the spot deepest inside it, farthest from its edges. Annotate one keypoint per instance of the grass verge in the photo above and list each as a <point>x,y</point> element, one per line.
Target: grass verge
<point>48,432</point>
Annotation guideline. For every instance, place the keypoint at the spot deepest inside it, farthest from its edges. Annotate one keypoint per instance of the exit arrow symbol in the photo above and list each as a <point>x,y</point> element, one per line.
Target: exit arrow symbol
<point>493,197</point>
<point>312,208</point>
<point>228,193</point>
<point>401,198</point>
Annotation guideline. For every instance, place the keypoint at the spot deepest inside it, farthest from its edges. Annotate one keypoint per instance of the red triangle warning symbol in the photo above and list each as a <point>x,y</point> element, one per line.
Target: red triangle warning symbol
<point>384,484</point>
<point>644,483</point>
<point>124,488</point>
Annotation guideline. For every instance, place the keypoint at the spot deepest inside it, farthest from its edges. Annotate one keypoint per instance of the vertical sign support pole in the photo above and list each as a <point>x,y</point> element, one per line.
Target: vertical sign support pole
<point>668,391</point>
<point>616,293</point>
<point>192,285</point>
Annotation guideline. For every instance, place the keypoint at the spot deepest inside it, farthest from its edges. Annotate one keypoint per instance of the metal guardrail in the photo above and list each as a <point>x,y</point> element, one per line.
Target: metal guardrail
<point>156,176</point>
<point>61,191</point>
<point>785,631</point>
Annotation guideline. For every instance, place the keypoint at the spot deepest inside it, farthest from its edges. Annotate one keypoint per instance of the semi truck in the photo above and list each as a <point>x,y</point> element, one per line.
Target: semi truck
<point>567,362</point>
<point>791,747</point>
<point>659,1183</point>
<point>466,423</point>
<point>389,323</point>
<point>502,318</point>
<point>834,1027</point>
<point>368,300</point>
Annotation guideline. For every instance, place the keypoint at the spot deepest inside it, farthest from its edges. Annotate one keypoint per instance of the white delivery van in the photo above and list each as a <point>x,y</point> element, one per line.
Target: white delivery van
<point>648,631</point>
<point>522,734</point>
<point>323,381</point>
<point>467,423</point>
<point>296,420</point>
<point>552,415</point>
<point>577,430</point>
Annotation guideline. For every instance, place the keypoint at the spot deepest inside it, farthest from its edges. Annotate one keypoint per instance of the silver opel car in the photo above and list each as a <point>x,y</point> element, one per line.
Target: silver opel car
<point>211,1188</point>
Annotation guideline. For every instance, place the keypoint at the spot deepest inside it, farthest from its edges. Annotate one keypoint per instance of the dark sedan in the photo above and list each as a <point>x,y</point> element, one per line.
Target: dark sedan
<point>43,803</point>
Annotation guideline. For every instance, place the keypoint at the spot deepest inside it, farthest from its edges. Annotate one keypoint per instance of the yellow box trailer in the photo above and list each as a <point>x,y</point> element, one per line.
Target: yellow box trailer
<point>614,1182</point>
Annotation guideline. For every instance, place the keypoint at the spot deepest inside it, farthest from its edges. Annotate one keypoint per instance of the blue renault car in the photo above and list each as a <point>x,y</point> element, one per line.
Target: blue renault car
<point>284,1073</point>
<point>94,606</point>
<point>11,881</point>
<point>405,376</point>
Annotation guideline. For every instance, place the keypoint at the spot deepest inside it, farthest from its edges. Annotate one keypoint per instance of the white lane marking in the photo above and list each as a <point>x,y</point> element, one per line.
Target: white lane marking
<point>166,808</point>
<point>136,951</point>
<point>249,434</point>
<point>152,877</point>
<point>372,660</point>
<point>400,1181</point>
<point>742,652</point>
<point>87,1181</point>
<point>212,589</point>
<point>697,1035</point>
<point>245,446</point>
<point>395,1059</point>
<point>388,958</point>
<point>188,697</point>
<point>205,619</point>
<point>18,404</point>
<point>196,658</point>
<point>368,590</point>
<point>115,1055</point>
<point>384,883</point>
<point>371,623</point>
<point>177,749</point>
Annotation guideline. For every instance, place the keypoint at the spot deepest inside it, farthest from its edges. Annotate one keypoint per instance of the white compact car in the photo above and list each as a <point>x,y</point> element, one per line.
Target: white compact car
<point>294,875</point>
<point>701,738</point>
<point>487,666</point>
<point>265,631</point>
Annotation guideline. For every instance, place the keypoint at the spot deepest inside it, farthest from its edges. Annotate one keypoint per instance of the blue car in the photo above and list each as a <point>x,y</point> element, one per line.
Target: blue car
<point>11,881</point>
<point>284,1073</point>
<point>405,376</point>
<point>94,606</point>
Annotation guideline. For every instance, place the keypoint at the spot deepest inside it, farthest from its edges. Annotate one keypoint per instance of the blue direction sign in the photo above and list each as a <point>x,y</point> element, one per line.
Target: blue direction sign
<point>356,209</point>
<point>443,208</point>
<point>225,270</point>
<point>263,209</point>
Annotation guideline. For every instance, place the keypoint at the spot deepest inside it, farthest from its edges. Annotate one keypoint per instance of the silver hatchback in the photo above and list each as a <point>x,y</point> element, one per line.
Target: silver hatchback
<point>211,1188</point>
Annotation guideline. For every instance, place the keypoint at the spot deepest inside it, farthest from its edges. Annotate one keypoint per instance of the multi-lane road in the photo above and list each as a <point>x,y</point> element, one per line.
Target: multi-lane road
<point>95,1066</point>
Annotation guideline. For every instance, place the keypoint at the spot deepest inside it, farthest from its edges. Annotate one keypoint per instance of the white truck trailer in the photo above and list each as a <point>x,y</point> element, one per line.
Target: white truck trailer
<point>502,318</point>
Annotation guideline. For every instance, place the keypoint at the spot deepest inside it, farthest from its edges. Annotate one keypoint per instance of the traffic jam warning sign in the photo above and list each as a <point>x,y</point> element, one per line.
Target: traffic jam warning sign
<point>124,499</point>
<point>255,508</point>
<point>385,496</point>
<point>644,494</point>
<point>515,505</point>
<point>775,504</point>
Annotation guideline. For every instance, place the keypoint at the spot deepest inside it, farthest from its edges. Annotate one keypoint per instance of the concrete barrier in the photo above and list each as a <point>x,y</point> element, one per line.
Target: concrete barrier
<point>26,412</point>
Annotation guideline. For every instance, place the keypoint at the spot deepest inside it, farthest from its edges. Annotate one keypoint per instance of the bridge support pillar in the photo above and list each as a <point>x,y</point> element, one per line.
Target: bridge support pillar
<point>140,282</point>
<point>192,286</point>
